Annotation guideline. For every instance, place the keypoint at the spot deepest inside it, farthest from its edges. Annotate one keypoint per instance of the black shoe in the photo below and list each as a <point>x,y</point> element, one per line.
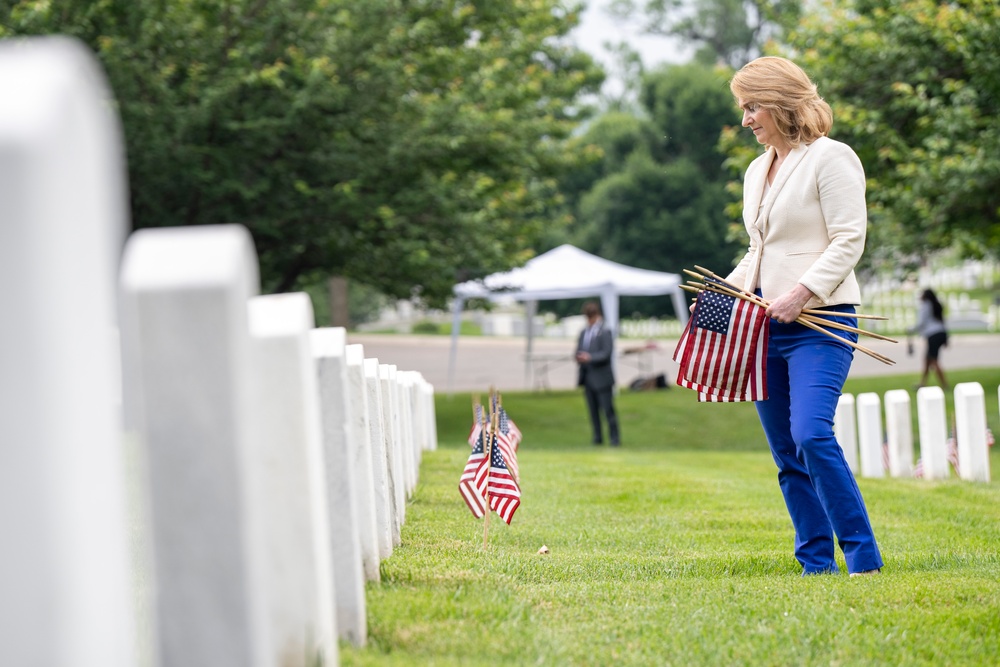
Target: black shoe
<point>598,443</point>
<point>616,444</point>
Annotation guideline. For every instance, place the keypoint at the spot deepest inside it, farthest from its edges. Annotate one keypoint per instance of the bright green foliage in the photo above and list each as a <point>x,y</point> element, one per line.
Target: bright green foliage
<point>731,32</point>
<point>401,144</point>
<point>915,87</point>
<point>653,195</point>
<point>676,550</point>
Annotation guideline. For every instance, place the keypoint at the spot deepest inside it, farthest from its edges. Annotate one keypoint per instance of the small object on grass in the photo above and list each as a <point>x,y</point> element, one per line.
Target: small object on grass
<point>543,550</point>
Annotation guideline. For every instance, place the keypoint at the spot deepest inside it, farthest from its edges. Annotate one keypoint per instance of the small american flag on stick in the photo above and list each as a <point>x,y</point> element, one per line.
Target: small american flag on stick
<point>490,477</point>
<point>723,351</point>
<point>505,495</point>
<point>472,477</point>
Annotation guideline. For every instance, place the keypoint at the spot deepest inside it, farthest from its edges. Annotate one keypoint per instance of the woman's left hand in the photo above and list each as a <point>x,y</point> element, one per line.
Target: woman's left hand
<point>787,307</point>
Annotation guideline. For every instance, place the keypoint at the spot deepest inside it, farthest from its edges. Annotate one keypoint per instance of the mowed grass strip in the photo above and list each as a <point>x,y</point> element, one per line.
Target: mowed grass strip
<point>676,550</point>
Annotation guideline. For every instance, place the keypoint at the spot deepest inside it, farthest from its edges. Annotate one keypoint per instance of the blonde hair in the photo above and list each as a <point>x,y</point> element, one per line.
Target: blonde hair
<point>800,115</point>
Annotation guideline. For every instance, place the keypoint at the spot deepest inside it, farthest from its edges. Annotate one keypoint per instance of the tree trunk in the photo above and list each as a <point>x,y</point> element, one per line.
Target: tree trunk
<point>339,312</point>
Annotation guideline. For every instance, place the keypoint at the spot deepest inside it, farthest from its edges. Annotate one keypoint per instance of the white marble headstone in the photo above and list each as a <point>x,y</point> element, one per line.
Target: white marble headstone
<point>899,432</point>
<point>394,451</point>
<point>846,429</point>
<point>431,416</point>
<point>970,432</point>
<point>933,428</point>
<point>407,429</point>
<point>328,347</point>
<point>870,436</point>
<point>65,586</point>
<point>385,506</point>
<point>361,461</point>
<point>187,370</point>
<point>290,462</point>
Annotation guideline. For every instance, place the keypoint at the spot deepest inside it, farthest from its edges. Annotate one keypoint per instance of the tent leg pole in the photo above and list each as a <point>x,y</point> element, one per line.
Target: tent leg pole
<point>456,325</point>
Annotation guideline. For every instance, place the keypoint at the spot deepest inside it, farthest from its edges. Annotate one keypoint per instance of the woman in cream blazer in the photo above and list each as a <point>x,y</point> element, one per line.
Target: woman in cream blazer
<point>805,213</point>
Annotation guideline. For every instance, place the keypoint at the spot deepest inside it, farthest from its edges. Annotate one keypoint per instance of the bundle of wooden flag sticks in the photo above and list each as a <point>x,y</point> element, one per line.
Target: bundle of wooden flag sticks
<point>812,318</point>
<point>722,353</point>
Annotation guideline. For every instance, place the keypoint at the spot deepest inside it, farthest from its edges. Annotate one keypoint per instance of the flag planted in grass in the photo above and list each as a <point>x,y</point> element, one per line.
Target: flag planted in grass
<point>507,440</point>
<point>467,483</point>
<point>504,492</point>
<point>508,435</point>
<point>723,351</point>
<point>509,428</point>
<point>481,479</point>
<point>490,477</point>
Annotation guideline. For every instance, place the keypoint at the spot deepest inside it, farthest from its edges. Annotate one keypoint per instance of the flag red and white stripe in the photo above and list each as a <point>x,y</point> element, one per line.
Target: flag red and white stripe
<point>723,351</point>
<point>494,475</point>
<point>472,482</point>
<point>509,456</point>
<point>504,492</point>
<point>508,427</point>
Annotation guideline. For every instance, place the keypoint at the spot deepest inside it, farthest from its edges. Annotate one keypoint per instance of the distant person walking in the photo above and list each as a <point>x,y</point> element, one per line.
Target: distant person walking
<point>930,325</point>
<point>594,352</point>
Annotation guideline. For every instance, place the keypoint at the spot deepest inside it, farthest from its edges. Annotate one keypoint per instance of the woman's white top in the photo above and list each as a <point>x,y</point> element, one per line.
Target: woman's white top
<point>809,227</point>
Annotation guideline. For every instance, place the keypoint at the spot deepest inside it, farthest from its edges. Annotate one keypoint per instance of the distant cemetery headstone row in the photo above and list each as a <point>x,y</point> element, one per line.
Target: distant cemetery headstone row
<point>872,450</point>
<point>218,489</point>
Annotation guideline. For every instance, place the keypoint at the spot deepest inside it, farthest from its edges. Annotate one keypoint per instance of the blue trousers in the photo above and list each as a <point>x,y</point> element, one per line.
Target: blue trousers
<point>806,371</point>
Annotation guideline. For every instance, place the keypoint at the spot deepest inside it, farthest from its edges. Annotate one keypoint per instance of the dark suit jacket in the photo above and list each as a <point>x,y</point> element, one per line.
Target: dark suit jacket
<point>597,373</point>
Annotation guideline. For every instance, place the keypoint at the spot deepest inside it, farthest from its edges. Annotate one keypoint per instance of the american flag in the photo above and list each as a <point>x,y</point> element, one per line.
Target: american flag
<point>469,482</point>
<point>509,428</point>
<point>504,492</point>
<point>477,423</point>
<point>723,351</point>
<point>952,453</point>
<point>952,446</point>
<point>508,444</point>
<point>474,434</point>
<point>505,495</point>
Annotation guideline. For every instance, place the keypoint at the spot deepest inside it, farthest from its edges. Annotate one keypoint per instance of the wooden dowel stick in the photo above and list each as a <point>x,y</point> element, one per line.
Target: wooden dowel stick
<point>822,321</point>
<point>726,288</point>
<point>487,445</point>
<point>476,409</point>
<point>810,311</point>
<point>806,311</point>
<point>860,316</point>
<point>860,348</point>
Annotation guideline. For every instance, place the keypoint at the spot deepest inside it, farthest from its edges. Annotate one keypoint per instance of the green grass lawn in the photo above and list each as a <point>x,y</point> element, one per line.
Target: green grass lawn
<point>676,550</point>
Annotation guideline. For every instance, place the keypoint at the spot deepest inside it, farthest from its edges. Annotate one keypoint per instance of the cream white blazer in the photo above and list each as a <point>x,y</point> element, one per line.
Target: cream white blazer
<point>809,228</point>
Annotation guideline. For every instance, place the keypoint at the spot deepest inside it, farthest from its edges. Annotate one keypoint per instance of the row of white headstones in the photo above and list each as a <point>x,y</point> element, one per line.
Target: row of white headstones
<point>190,473</point>
<point>871,451</point>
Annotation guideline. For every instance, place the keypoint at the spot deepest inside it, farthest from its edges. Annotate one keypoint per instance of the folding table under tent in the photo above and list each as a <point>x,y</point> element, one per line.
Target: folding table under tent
<point>565,272</point>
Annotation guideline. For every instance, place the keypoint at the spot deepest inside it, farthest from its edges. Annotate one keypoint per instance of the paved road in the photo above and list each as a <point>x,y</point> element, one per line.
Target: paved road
<point>482,361</point>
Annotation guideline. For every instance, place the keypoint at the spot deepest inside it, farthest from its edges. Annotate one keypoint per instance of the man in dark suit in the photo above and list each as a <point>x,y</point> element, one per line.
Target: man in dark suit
<point>594,351</point>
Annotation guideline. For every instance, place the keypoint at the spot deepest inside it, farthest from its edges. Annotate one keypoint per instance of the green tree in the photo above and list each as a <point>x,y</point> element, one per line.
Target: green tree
<point>400,144</point>
<point>915,85</point>
<point>653,194</point>
<point>731,32</point>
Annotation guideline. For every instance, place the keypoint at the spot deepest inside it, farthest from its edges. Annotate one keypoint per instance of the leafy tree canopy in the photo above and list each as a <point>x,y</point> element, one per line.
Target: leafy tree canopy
<point>403,144</point>
<point>730,32</point>
<point>653,194</point>
<point>915,86</point>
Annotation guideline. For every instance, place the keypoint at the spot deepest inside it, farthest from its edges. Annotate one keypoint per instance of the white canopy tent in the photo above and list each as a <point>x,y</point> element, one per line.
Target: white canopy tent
<point>566,272</point>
